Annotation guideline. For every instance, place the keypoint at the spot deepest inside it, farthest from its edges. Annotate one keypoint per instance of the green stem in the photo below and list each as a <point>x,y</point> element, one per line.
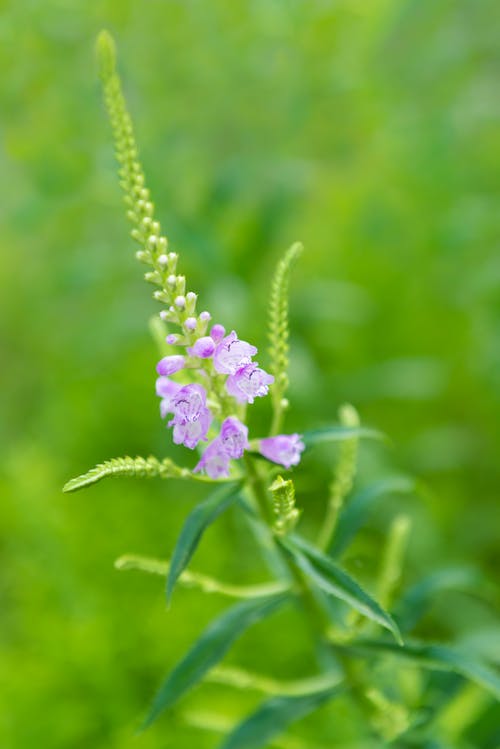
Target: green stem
<point>329,526</point>
<point>196,580</point>
<point>258,489</point>
<point>316,616</point>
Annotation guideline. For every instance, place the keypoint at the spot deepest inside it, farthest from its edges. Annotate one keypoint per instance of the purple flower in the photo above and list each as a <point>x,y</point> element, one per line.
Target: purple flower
<point>214,461</point>
<point>166,389</point>
<point>233,437</point>
<point>188,403</point>
<point>170,364</point>
<point>284,449</point>
<point>248,383</point>
<point>191,416</point>
<point>232,354</point>
<point>189,433</point>
<point>203,347</point>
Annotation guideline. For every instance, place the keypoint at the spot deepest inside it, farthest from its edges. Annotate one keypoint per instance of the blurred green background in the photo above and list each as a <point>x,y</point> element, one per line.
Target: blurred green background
<point>368,129</point>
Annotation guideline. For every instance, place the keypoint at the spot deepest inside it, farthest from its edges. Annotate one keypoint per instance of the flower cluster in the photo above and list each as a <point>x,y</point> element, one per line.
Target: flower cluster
<point>224,364</point>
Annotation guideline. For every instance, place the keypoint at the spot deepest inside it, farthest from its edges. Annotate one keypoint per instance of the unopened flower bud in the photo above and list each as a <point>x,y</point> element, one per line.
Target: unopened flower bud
<point>162,260</point>
<point>180,301</point>
<point>172,338</point>
<point>170,365</point>
<point>190,323</point>
<point>171,280</point>
<point>217,332</point>
<point>205,316</point>
<point>203,347</point>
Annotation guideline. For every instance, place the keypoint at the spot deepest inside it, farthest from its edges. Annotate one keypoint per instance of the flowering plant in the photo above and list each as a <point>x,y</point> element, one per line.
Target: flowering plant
<point>205,383</point>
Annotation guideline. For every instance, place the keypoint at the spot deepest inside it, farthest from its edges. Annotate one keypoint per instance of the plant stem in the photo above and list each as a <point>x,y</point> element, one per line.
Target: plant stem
<point>196,580</point>
<point>316,616</point>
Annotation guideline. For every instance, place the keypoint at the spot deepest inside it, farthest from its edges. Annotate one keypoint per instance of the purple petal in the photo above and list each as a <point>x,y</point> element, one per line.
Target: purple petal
<point>170,364</point>
<point>233,437</point>
<point>214,461</point>
<point>284,449</point>
<point>203,347</point>
<point>248,383</point>
<point>232,354</point>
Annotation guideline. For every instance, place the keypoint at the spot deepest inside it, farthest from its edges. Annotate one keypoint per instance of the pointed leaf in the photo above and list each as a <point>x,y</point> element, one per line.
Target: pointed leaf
<point>334,581</point>
<point>357,509</point>
<point>416,600</point>
<point>436,657</point>
<point>274,716</point>
<point>210,649</point>
<point>338,433</point>
<point>197,521</point>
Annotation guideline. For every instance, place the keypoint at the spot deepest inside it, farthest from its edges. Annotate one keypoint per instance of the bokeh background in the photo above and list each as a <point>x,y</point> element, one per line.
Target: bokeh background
<point>368,130</point>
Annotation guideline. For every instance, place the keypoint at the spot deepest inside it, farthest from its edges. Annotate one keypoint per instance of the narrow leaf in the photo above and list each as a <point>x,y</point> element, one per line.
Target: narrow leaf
<point>338,433</point>
<point>134,467</point>
<point>357,510</point>
<point>274,716</point>
<point>417,599</point>
<point>210,649</point>
<point>434,657</point>
<point>197,522</point>
<point>335,582</point>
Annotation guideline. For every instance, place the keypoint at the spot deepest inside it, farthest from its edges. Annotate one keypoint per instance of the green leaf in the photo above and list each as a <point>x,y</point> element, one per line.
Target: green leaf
<point>197,522</point>
<point>434,657</point>
<point>335,582</point>
<point>357,510</point>
<point>338,433</point>
<point>415,601</point>
<point>134,467</point>
<point>210,649</point>
<point>274,716</point>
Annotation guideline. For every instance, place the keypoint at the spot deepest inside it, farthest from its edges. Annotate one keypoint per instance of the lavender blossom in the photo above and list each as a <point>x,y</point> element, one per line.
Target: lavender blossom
<point>170,364</point>
<point>232,354</point>
<point>192,418</point>
<point>189,433</point>
<point>233,437</point>
<point>249,382</point>
<point>284,449</point>
<point>189,402</point>
<point>204,347</point>
<point>214,461</point>
<point>166,389</point>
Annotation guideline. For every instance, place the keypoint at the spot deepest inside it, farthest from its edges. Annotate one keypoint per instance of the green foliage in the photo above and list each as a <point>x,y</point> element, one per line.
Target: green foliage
<point>357,511</point>
<point>279,333</point>
<point>203,515</point>
<point>334,581</point>
<point>339,434</point>
<point>129,467</point>
<point>210,649</point>
<point>434,657</point>
<point>343,477</point>
<point>287,514</point>
<point>275,715</point>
